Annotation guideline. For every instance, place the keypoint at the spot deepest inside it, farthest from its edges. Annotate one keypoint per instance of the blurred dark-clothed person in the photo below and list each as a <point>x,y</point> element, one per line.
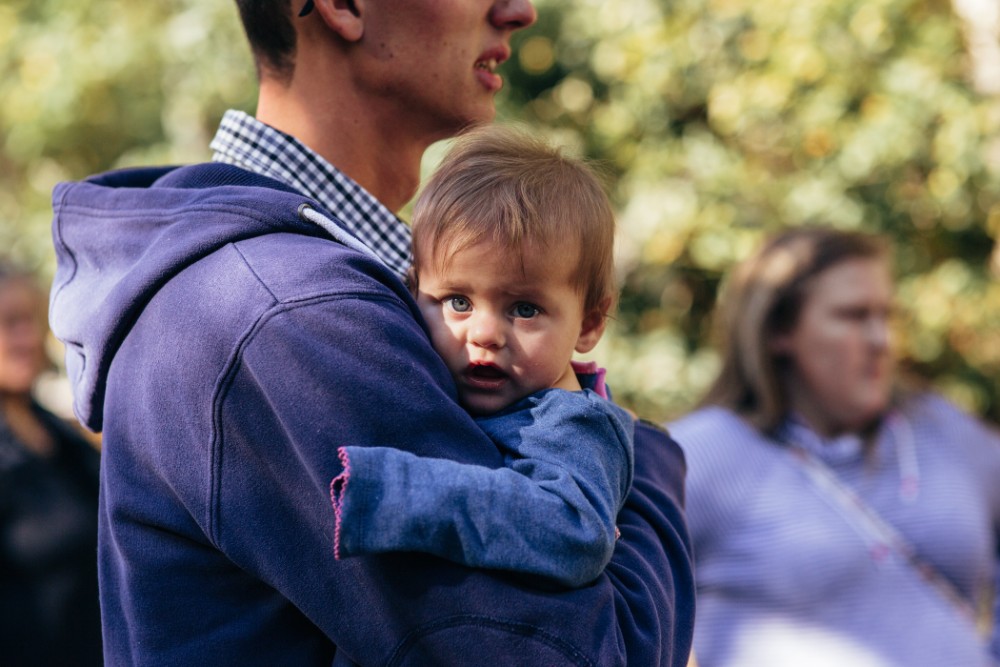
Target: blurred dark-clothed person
<point>836,518</point>
<point>49,609</point>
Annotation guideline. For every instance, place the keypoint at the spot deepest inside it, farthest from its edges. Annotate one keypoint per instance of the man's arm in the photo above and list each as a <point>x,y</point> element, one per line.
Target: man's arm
<point>551,513</point>
<point>359,370</point>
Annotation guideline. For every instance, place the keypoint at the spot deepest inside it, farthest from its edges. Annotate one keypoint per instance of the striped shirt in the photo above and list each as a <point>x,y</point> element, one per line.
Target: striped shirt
<point>787,574</point>
<point>245,142</point>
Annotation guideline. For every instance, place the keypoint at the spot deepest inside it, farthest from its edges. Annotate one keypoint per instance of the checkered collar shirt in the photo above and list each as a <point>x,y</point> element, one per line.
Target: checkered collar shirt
<point>245,142</point>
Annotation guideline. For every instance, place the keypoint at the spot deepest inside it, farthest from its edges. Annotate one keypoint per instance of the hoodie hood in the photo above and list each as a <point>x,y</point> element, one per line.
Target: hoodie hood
<point>122,235</point>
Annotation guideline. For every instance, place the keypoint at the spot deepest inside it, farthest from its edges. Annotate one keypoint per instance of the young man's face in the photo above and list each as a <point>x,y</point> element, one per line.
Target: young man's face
<point>505,333</point>
<point>435,60</point>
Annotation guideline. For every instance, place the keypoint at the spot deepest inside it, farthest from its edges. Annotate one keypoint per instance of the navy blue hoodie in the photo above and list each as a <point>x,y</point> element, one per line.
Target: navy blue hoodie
<point>226,347</point>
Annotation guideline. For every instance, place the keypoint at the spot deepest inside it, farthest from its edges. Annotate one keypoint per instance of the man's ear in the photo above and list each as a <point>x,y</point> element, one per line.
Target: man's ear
<point>344,17</point>
<point>593,326</point>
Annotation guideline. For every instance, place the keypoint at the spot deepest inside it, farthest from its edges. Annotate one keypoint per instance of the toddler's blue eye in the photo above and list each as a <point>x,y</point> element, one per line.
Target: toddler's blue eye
<point>526,310</point>
<point>459,304</point>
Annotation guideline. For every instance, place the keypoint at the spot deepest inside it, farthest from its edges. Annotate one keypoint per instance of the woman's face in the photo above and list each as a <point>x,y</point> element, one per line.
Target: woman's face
<point>22,336</point>
<point>840,376</point>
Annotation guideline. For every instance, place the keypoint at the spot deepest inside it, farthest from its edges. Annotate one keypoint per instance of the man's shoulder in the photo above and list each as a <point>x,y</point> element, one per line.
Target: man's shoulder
<point>289,254</point>
<point>649,435</point>
<point>295,267</point>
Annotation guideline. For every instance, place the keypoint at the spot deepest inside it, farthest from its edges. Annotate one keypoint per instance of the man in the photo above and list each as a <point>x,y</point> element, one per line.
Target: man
<point>228,325</point>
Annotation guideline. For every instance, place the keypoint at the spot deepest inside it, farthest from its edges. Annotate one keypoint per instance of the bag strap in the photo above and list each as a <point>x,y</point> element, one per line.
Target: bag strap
<point>882,536</point>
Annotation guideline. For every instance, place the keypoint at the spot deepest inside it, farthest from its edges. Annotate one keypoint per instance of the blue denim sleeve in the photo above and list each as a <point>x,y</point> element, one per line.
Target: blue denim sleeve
<point>550,512</point>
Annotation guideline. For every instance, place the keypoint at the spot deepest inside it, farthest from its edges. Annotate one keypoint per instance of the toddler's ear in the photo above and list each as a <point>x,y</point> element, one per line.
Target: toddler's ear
<point>410,280</point>
<point>593,326</point>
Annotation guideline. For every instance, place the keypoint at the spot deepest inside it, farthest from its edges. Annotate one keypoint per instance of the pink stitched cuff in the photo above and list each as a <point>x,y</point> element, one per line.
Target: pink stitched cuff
<point>338,487</point>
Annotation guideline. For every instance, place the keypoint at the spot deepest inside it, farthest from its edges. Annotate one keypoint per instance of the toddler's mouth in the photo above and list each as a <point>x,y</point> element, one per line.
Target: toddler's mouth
<point>485,371</point>
<point>485,376</point>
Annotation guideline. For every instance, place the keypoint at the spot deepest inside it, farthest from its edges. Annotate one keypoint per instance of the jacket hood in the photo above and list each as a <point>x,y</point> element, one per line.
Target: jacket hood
<point>120,236</point>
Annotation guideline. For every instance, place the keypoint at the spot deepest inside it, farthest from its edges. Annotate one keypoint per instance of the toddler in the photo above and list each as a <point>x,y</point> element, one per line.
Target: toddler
<point>513,273</point>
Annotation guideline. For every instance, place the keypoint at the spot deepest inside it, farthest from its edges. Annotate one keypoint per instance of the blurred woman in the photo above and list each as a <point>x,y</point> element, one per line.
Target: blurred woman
<point>49,610</point>
<point>836,520</point>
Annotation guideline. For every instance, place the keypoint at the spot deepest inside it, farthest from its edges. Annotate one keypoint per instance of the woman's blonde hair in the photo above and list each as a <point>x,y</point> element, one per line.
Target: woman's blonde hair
<point>763,298</point>
<point>500,185</point>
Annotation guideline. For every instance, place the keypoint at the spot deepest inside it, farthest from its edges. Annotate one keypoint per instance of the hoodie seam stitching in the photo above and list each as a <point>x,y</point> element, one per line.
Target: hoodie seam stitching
<point>253,272</point>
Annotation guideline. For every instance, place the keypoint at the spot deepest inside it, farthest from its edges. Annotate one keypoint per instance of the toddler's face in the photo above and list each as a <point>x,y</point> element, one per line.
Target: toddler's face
<point>505,323</point>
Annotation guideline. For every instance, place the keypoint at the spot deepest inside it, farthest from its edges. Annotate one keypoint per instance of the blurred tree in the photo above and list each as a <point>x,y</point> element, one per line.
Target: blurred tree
<point>722,120</point>
<point>90,85</point>
<point>716,121</point>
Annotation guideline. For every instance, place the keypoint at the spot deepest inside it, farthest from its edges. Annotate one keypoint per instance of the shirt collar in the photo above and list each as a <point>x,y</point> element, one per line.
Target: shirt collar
<point>835,450</point>
<point>246,142</point>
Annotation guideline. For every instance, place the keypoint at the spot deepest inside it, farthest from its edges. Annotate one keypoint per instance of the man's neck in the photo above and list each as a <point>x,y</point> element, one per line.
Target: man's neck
<point>353,139</point>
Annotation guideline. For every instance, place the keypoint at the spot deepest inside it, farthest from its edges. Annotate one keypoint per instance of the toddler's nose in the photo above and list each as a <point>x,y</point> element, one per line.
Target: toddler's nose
<point>486,330</point>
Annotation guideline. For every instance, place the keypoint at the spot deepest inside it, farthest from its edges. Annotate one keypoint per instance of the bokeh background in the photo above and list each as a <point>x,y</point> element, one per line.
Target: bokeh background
<point>716,122</point>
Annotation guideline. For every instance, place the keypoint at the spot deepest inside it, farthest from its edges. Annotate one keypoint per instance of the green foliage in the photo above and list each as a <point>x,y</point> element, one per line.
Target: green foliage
<point>727,119</point>
<point>88,86</point>
<point>717,122</point>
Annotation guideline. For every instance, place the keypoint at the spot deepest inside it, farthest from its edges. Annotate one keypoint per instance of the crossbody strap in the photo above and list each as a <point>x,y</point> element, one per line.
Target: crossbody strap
<point>882,537</point>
